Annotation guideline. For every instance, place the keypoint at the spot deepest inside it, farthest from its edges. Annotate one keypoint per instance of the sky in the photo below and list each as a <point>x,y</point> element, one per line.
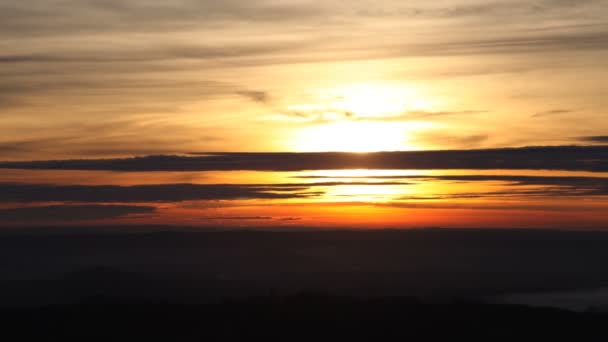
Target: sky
<point>205,113</point>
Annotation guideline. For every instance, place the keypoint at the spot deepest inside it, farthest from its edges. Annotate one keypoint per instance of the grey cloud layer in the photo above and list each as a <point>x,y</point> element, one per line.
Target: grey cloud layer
<point>61,35</point>
<point>160,20</point>
<point>118,69</point>
<point>45,17</point>
<point>42,16</point>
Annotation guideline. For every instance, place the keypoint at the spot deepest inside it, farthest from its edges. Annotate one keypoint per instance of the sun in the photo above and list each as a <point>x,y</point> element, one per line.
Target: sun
<point>354,136</point>
<point>362,117</point>
<point>377,100</point>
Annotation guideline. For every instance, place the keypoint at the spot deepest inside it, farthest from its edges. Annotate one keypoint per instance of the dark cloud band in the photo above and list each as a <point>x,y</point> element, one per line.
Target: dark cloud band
<point>572,158</point>
<point>599,139</point>
<point>72,213</point>
<point>149,193</point>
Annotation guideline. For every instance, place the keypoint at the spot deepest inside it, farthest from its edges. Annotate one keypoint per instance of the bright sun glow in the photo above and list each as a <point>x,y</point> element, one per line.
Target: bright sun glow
<point>357,136</point>
<point>375,100</point>
<point>350,136</point>
<point>359,118</point>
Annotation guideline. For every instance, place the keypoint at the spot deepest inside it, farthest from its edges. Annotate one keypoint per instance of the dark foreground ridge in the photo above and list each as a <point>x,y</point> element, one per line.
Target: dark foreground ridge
<point>420,285</point>
<point>299,318</point>
<point>37,269</point>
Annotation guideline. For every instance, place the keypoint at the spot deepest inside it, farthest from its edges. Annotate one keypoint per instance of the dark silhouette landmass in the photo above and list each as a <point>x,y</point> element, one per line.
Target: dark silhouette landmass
<point>195,267</point>
<point>300,318</point>
<point>142,284</point>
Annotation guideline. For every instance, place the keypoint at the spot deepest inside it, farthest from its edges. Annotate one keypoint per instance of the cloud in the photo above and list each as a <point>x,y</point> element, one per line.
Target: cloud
<point>165,193</point>
<point>74,17</point>
<point>523,180</point>
<point>72,213</point>
<point>426,114</point>
<point>12,59</point>
<point>553,112</point>
<point>461,141</point>
<point>326,115</point>
<point>108,137</point>
<point>518,186</point>
<point>514,187</point>
<point>28,85</point>
<point>89,19</point>
<point>573,158</point>
<point>602,139</point>
<point>500,10</point>
<point>514,193</point>
<point>151,193</point>
<point>255,96</point>
<point>24,145</point>
<point>246,218</point>
<point>44,18</point>
<point>49,43</point>
<point>290,219</point>
<point>70,60</point>
<point>166,51</point>
<point>417,115</point>
<point>321,116</point>
<point>523,206</point>
<point>515,43</point>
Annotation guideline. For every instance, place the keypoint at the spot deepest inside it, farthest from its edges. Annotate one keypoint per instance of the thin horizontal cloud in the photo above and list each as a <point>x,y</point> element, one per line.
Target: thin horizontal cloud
<point>521,206</point>
<point>519,44</point>
<point>290,219</point>
<point>601,139</point>
<point>166,193</point>
<point>502,10</point>
<point>150,193</point>
<point>337,114</point>
<point>518,186</point>
<point>72,213</point>
<point>238,218</point>
<point>255,95</point>
<point>175,19</point>
<point>33,17</point>
<point>572,158</point>
<point>411,115</point>
<point>441,138</point>
<point>166,52</point>
<point>553,113</point>
<point>517,179</point>
<point>109,137</point>
<point>419,114</point>
<point>514,193</point>
<point>104,146</point>
<point>29,85</point>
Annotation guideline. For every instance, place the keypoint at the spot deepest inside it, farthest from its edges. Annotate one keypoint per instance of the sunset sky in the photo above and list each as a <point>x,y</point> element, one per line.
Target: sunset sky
<point>204,113</point>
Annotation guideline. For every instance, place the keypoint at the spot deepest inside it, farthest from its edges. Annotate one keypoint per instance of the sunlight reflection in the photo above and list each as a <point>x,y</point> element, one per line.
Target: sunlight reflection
<point>365,193</point>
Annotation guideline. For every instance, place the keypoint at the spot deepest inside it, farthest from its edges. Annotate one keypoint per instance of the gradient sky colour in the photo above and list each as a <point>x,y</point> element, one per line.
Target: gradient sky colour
<point>200,112</point>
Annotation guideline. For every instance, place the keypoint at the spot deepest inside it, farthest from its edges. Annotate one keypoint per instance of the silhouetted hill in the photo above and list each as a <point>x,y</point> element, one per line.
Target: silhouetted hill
<point>190,267</point>
<point>299,318</point>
